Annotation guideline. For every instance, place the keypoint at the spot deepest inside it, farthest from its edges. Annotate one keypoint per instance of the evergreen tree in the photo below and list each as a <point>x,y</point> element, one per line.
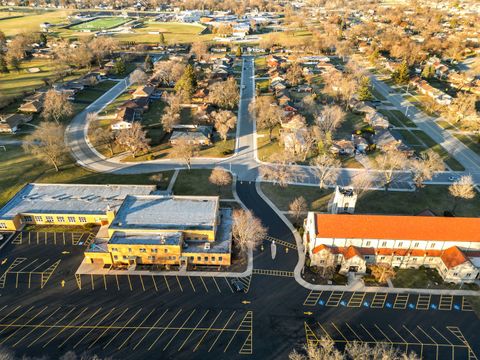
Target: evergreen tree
<point>364,90</point>
<point>148,64</point>
<point>119,67</point>
<point>43,38</point>
<point>3,64</point>
<point>187,83</point>
<point>428,72</point>
<point>402,74</point>
<point>161,39</point>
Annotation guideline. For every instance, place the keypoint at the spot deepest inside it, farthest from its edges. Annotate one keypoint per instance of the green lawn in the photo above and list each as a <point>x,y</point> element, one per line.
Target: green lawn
<point>409,138</point>
<point>267,148</point>
<point>195,182</point>
<point>352,122</point>
<point>397,118</point>
<point>469,141</point>
<point>103,23</point>
<point>18,169</point>
<point>434,197</point>
<point>31,22</point>
<point>424,278</point>
<point>90,94</point>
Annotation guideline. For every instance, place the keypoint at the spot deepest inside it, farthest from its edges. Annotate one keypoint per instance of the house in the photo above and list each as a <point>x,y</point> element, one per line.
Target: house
<point>34,106</point>
<point>386,141</point>
<point>343,147</point>
<point>361,145</point>
<point>139,227</point>
<point>9,123</point>
<point>200,96</point>
<point>193,134</point>
<point>351,242</point>
<point>124,119</point>
<point>377,120</point>
<point>143,91</point>
<point>294,141</point>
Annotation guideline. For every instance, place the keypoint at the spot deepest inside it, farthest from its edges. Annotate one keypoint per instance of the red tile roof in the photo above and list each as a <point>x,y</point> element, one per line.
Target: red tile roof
<point>453,257</point>
<point>397,227</point>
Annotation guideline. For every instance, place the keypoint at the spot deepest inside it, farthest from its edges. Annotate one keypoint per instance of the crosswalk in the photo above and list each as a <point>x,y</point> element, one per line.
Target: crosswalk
<point>280,273</point>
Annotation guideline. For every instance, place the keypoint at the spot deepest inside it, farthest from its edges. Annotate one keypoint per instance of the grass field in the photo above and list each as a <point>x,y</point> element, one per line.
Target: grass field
<point>195,182</point>
<point>103,23</point>
<point>434,197</point>
<point>31,22</point>
<point>473,144</point>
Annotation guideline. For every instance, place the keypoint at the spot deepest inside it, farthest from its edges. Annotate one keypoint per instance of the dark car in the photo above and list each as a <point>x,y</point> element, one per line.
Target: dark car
<point>237,285</point>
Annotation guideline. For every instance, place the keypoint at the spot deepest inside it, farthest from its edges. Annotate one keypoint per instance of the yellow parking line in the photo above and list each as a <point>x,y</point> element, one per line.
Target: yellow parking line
<point>118,284</point>
<point>178,330</point>
<point>418,341</point>
<point>439,333</point>
<point>338,330</point>
<point>91,279</point>
<point>221,331</point>
<point>129,282</point>
<point>64,328</point>
<point>206,331</point>
<point>396,332</point>
<point>166,282</point>
<point>107,328</point>
<point>120,330</point>
<point>154,283</point>
<point>228,283</point>
<point>36,327</point>
<point>93,328</point>
<point>191,283</point>
<point>215,281</point>
<point>369,334</point>
<point>325,331</point>
<point>135,330</point>
<point>179,283</point>
<point>78,328</point>
<point>21,326</point>
<point>353,331</point>
<point>141,280</point>
<point>385,335</point>
<point>11,312</point>
<point>105,281</point>
<point>193,330</point>
<point>48,329</point>
<point>164,329</point>
<point>356,300</point>
<point>150,329</point>
<point>203,282</point>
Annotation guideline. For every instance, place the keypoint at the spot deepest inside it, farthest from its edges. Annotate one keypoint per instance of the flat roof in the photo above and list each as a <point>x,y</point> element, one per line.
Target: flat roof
<point>69,198</point>
<point>158,238</point>
<point>167,212</point>
<point>426,228</point>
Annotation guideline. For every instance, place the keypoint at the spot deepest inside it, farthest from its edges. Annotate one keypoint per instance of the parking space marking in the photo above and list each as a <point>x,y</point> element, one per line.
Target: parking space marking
<point>383,333</point>
<point>334,298</point>
<point>65,327</point>
<point>466,305</point>
<point>353,331</point>
<point>338,330</point>
<point>228,283</point>
<point>207,331</point>
<point>221,331</point>
<point>93,328</point>
<point>356,299</point>
<point>141,280</point>
<point>154,283</point>
<point>445,302</point>
<point>245,324</point>
<point>107,328</point>
<point>21,326</point>
<point>396,332</point>
<point>191,283</point>
<point>179,283</point>
<point>48,329</point>
<point>378,300</point>
<point>164,329</point>
<point>166,282</point>
<point>105,281</point>
<point>121,328</point>
<point>179,329</point>
<point>281,242</point>
<point>129,282</point>
<point>204,285</point>
<point>312,298</point>
<point>36,327</point>
<point>14,321</point>
<point>459,335</point>
<point>369,333</point>
<point>11,312</point>
<point>423,301</point>
<point>91,279</point>
<point>79,327</point>
<point>193,330</point>
<point>150,329</point>
<point>118,283</point>
<point>215,281</point>
<point>269,272</point>
<point>439,333</point>
<point>401,301</point>
<point>416,338</point>
<point>136,329</point>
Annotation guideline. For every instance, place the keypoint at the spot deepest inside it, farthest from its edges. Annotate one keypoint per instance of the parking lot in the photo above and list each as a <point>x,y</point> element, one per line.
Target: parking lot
<point>380,300</point>
<point>429,342</point>
<point>53,238</point>
<point>123,329</point>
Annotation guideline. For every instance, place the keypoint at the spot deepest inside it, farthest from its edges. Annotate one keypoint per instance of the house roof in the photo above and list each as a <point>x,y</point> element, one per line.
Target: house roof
<point>453,257</point>
<point>397,227</point>
<point>351,252</point>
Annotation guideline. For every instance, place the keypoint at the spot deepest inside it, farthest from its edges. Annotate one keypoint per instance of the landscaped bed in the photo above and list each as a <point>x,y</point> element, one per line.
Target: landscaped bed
<point>425,278</point>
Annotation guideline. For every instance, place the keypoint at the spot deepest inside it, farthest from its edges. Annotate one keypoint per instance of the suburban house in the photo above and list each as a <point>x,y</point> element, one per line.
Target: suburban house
<point>351,242</point>
<point>138,226</point>
<point>34,106</point>
<point>143,91</point>
<point>124,119</point>
<point>9,123</point>
<point>193,134</point>
<point>377,120</point>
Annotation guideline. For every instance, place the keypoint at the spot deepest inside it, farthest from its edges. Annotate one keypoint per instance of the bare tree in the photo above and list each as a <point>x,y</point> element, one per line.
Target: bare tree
<point>361,351</point>
<point>100,135</point>
<point>266,113</point>
<point>133,140</point>
<point>56,106</point>
<point>330,119</point>
<point>462,107</point>
<point>170,118</point>
<point>361,183</point>
<point>463,188</point>
<point>184,150</point>
<point>220,177</point>
<point>247,230</point>
<point>168,71</point>
<point>138,76</point>
<point>382,272</point>
<point>224,94</point>
<point>424,168</point>
<point>200,49</point>
<point>327,168</point>
<point>280,170</point>
<point>298,207</point>
<point>102,46</point>
<point>324,350</point>
<point>294,74</point>
<point>388,162</point>
<point>47,143</point>
<point>224,120</point>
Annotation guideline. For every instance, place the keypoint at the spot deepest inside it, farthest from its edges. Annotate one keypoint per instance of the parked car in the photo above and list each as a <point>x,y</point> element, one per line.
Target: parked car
<point>237,285</point>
